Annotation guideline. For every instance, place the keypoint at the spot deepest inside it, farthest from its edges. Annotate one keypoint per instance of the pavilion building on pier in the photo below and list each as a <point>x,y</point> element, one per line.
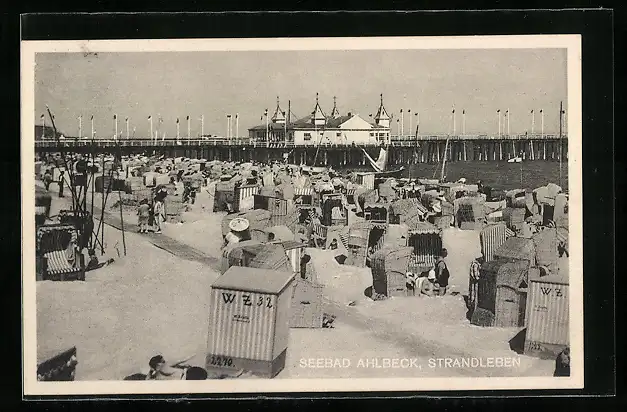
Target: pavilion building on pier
<point>320,128</point>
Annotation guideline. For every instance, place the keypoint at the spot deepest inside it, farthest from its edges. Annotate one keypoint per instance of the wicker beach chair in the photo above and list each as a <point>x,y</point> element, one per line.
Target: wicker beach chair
<point>58,254</point>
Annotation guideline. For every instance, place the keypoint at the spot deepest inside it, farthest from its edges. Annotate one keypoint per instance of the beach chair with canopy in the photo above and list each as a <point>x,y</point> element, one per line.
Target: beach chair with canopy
<point>426,240</point>
<point>58,254</point>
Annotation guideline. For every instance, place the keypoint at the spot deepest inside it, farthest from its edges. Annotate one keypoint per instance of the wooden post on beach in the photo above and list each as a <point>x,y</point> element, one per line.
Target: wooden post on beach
<point>560,141</point>
<point>122,221</point>
<point>101,225</point>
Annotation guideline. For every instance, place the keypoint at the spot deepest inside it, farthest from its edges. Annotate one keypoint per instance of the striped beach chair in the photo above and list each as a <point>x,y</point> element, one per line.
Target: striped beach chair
<point>491,238</point>
<point>59,253</point>
<point>320,234</point>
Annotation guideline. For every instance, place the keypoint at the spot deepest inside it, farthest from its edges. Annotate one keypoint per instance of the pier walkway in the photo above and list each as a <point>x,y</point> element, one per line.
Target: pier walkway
<point>404,150</point>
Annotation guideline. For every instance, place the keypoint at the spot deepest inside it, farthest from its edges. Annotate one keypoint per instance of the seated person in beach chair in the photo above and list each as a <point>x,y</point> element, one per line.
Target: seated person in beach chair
<point>59,253</point>
<point>94,263</point>
<point>410,281</point>
<point>426,285</point>
<point>562,363</point>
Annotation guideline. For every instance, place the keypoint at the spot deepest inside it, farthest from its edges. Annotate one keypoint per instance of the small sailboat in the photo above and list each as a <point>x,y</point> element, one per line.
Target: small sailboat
<point>380,165</point>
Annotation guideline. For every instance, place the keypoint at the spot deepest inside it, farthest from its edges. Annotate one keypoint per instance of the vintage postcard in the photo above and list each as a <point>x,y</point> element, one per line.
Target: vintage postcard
<point>302,215</point>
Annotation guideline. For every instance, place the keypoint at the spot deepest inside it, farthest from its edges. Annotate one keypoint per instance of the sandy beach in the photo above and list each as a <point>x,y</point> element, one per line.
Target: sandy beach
<point>151,301</point>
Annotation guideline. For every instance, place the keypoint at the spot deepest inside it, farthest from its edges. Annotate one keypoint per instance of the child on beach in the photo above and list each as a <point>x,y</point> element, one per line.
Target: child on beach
<point>143,214</point>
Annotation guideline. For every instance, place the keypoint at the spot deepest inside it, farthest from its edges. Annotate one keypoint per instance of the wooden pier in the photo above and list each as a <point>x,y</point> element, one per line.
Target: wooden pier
<point>403,150</point>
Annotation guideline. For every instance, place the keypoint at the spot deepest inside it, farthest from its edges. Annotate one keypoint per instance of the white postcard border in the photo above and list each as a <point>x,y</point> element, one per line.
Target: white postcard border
<point>574,121</point>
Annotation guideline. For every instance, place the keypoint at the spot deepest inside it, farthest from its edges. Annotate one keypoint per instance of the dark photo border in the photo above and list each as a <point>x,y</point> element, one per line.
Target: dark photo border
<point>596,28</point>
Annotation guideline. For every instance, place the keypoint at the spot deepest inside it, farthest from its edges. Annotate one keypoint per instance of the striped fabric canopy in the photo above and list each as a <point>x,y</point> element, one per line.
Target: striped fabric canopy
<point>303,191</point>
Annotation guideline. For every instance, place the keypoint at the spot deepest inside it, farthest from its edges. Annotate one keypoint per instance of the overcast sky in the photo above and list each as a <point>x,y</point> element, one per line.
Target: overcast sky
<point>213,84</point>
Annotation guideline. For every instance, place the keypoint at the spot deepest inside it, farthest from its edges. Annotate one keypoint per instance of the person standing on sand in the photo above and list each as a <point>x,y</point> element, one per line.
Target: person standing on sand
<point>473,283</point>
<point>61,183</point>
<point>143,213</point>
<point>441,272</point>
<point>47,178</point>
<point>159,213</point>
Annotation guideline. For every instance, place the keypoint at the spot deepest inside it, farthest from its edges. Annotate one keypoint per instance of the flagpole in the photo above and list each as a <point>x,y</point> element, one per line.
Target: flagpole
<point>236,125</point>
<point>43,126</point>
<point>152,134</point>
<point>454,125</point>
<point>80,126</point>
<point>498,114</point>
<point>202,125</point>
<point>508,114</point>
<point>92,126</point>
<point>268,126</point>
<point>402,129</point>
<point>115,117</point>
<point>560,144</point>
<point>464,122</point>
<point>533,121</point>
<point>410,122</point>
<point>542,122</point>
<point>127,133</point>
<point>189,133</point>
<point>178,130</point>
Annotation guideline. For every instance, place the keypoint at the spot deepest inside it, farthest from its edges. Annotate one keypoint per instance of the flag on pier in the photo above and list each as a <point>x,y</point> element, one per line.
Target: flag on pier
<point>177,120</point>
<point>115,116</point>
<point>92,117</point>
<point>149,117</point>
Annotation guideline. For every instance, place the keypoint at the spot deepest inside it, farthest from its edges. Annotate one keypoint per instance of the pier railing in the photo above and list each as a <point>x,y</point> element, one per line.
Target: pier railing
<point>395,141</point>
